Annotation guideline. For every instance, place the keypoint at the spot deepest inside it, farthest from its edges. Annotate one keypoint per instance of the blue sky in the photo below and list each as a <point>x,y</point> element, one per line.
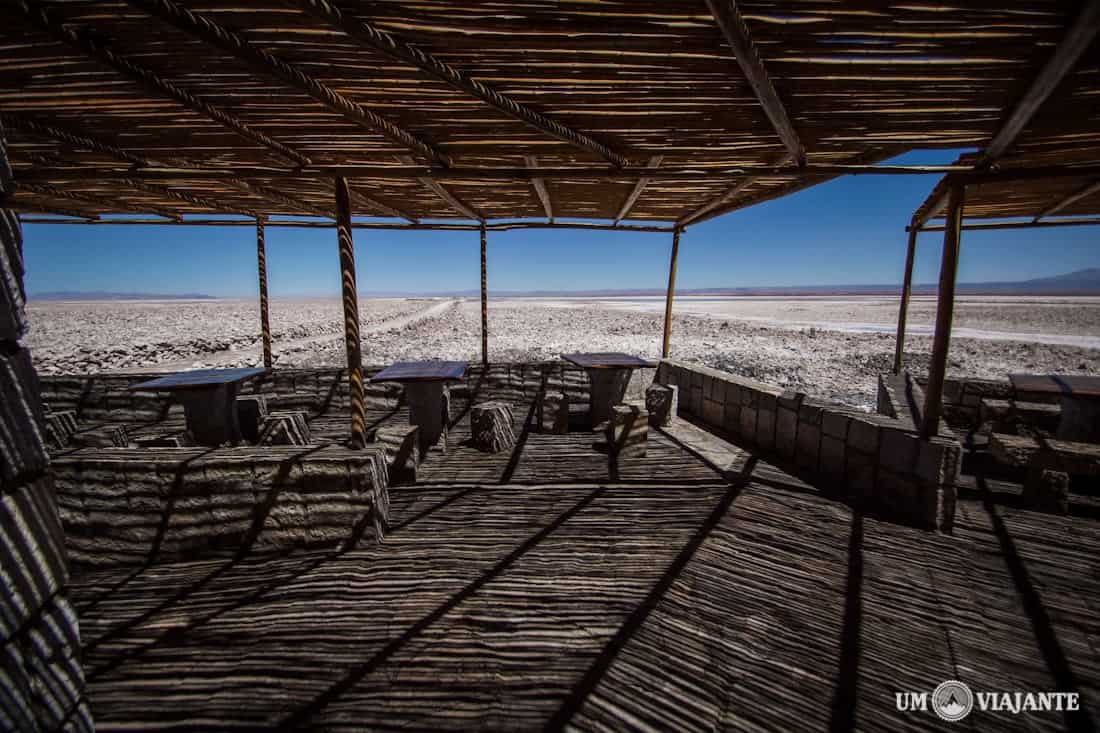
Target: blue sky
<point>845,232</point>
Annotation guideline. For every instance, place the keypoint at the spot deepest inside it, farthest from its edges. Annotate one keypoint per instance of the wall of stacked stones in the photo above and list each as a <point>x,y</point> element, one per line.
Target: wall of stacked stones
<point>962,399</point>
<point>121,506</point>
<point>878,463</point>
<point>41,681</point>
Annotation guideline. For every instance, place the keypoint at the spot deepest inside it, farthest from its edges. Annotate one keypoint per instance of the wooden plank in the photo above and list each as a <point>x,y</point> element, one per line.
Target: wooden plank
<point>606,360</point>
<point>197,378</point>
<point>394,47</point>
<point>728,17</point>
<point>624,210</point>
<point>378,206</point>
<point>260,59</point>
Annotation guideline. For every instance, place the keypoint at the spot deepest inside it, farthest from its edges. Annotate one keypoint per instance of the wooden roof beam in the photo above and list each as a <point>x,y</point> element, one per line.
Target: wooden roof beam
<point>1079,36</point>
<point>1081,193</point>
<point>99,145</point>
<point>395,48</point>
<point>723,199</point>
<point>439,190</point>
<point>728,17</point>
<point>540,188</point>
<point>42,16</point>
<point>387,210</point>
<point>632,199</point>
<point>100,204</point>
<point>259,59</point>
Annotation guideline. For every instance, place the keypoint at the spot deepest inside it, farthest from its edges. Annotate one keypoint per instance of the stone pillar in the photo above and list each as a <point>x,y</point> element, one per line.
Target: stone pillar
<point>426,410</point>
<point>40,654</point>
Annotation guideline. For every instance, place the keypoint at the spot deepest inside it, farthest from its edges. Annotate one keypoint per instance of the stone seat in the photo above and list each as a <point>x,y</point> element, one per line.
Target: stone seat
<point>1049,464</point>
<point>491,426</point>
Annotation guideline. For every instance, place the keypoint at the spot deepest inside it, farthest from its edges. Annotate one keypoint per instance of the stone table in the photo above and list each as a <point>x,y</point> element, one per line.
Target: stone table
<point>209,399</point>
<point>424,382</point>
<point>609,373</point>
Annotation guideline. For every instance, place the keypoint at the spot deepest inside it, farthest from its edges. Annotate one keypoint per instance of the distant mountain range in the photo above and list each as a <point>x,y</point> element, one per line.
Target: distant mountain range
<point>101,295</point>
<point>1081,282</point>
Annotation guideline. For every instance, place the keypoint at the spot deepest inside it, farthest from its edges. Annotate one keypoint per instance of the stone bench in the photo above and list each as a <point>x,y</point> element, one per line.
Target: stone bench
<point>662,402</point>
<point>126,506</point>
<point>554,413</point>
<point>403,453</point>
<point>491,427</point>
<point>285,428</point>
<point>628,430</point>
<point>1004,416</point>
<point>1049,464</point>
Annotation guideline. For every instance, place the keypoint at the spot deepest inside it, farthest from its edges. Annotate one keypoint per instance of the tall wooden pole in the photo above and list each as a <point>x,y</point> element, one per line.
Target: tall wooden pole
<point>261,266</point>
<point>945,309</point>
<point>668,295</point>
<point>351,315</point>
<point>906,289</point>
<point>484,303</point>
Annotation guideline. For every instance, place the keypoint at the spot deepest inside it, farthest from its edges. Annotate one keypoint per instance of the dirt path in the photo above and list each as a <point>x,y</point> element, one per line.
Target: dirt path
<point>233,355</point>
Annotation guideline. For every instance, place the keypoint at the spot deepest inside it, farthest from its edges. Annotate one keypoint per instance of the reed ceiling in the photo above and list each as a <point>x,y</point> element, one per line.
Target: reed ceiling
<point>94,93</point>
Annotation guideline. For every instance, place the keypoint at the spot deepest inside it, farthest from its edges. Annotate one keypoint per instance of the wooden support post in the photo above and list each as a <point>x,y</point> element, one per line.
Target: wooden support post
<point>261,266</point>
<point>945,308</point>
<point>906,289</point>
<point>351,315</point>
<point>668,295</point>
<point>484,304</point>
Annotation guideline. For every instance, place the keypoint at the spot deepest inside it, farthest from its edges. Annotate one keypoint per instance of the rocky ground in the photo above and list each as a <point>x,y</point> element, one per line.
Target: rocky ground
<point>773,344</point>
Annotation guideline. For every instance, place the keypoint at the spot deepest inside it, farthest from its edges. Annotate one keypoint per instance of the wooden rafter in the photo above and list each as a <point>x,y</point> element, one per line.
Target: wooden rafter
<point>395,48</point>
<point>99,145</point>
<point>376,205</point>
<point>1079,36</point>
<point>442,192</point>
<point>409,170</point>
<point>632,199</point>
<point>723,199</point>
<point>42,17</point>
<point>728,17</point>
<point>263,61</point>
<point>98,204</point>
<point>540,187</point>
<point>53,208</point>
<point>1082,193</point>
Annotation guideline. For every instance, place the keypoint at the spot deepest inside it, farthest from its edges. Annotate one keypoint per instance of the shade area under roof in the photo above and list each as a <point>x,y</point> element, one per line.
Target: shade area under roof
<point>252,107</point>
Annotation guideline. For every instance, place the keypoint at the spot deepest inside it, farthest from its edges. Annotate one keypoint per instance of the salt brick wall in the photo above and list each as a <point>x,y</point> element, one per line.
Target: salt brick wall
<point>41,680</point>
<point>876,462</point>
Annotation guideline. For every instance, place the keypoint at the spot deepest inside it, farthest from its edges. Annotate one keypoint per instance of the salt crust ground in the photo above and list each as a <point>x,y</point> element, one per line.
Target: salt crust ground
<point>832,347</point>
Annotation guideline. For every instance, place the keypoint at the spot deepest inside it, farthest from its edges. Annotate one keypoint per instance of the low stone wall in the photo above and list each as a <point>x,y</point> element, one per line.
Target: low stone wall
<point>124,505</point>
<point>876,462</point>
<point>962,399</point>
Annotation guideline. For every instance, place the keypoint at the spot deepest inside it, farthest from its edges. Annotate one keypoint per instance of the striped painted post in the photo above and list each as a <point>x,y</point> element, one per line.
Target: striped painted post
<point>261,266</point>
<point>484,303</point>
<point>351,315</point>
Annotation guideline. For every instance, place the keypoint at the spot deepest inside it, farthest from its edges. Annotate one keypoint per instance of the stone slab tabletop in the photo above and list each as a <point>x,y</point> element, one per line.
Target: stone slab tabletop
<point>421,371</point>
<point>607,360</point>
<point>200,378</point>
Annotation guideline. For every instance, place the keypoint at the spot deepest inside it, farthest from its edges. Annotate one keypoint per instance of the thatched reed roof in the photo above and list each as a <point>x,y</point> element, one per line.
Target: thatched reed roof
<point>179,107</point>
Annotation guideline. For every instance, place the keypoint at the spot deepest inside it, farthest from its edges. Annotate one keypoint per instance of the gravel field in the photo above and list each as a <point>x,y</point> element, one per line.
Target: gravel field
<point>830,347</point>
